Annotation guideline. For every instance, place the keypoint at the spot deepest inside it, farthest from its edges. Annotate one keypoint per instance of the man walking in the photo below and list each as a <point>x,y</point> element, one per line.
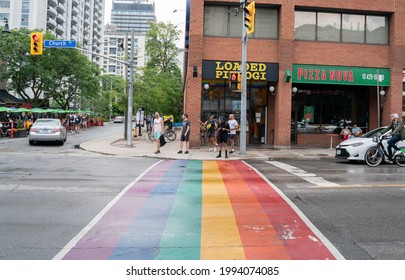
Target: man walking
<point>185,134</point>
<point>233,126</point>
<point>223,130</point>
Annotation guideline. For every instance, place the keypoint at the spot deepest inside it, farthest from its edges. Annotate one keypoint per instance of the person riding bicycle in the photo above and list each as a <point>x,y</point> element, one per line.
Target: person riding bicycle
<point>398,134</point>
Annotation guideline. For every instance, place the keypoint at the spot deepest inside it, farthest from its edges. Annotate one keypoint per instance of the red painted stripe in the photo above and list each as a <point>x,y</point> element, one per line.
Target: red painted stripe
<point>259,238</point>
<point>299,240</point>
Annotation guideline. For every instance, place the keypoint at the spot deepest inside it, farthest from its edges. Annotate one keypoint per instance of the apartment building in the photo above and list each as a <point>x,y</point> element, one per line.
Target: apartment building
<point>79,20</point>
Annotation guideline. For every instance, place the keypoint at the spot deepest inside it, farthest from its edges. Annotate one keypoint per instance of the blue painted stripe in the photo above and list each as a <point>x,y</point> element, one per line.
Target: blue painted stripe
<point>181,239</point>
<point>142,239</point>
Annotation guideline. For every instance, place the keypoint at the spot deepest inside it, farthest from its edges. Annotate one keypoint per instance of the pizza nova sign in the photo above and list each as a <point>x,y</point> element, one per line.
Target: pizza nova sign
<point>256,71</point>
<point>318,74</point>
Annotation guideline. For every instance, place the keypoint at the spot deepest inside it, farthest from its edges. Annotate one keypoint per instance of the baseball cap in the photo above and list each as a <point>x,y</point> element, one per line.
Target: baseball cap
<point>394,116</point>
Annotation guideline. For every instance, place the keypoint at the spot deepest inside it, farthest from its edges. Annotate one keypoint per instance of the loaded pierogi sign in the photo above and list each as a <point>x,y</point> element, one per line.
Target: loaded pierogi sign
<point>255,71</point>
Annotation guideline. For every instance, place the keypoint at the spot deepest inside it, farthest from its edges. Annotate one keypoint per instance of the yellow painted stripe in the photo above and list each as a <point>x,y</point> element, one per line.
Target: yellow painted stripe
<point>220,237</point>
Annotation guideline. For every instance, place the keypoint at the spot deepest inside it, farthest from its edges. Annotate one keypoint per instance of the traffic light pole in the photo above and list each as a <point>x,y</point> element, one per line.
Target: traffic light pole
<point>131,83</point>
<point>242,140</point>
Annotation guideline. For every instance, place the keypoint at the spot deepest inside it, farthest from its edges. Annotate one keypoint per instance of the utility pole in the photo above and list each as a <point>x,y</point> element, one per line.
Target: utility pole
<point>242,140</point>
<point>131,84</point>
<point>248,27</point>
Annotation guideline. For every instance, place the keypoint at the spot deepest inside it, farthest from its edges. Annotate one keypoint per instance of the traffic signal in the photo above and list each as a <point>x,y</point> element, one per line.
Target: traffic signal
<point>239,81</point>
<point>36,43</point>
<point>250,11</point>
<point>235,81</point>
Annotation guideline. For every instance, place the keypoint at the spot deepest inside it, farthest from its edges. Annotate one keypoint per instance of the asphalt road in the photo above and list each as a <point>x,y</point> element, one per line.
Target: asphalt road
<point>49,193</point>
<point>362,214</point>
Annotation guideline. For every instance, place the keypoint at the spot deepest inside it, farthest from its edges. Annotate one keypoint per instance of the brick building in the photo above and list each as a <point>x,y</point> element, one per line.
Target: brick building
<point>311,64</point>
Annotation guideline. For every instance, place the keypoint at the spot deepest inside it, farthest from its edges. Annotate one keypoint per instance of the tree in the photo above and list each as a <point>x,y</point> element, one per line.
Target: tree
<point>61,74</point>
<point>159,84</point>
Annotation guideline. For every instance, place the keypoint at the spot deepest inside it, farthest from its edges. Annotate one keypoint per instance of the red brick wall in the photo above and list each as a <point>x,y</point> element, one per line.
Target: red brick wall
<point>286,51</point>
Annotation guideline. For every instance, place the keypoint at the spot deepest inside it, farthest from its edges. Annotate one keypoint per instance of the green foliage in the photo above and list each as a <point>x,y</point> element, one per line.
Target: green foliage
<point>158,86</point>
<point>62,74</point>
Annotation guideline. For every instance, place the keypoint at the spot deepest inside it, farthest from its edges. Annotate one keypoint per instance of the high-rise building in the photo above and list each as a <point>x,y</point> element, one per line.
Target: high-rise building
<point>79,20</point>
<point>127,15</point>
<point>135,15</point>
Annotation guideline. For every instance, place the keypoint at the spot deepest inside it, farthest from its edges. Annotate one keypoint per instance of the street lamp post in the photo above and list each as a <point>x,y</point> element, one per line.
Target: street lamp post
<point>6,29</point>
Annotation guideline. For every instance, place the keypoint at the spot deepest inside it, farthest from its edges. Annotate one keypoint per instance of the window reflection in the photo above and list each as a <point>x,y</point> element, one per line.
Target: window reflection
<point>305,24</point>
<point>353,28</point>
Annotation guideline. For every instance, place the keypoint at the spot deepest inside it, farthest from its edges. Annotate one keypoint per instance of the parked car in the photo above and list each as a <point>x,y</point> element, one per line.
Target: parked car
<point>354,149</point>
<point>303,126</point>
<point>336,127</point>
<point>119,119</point>
<point>45,130</point>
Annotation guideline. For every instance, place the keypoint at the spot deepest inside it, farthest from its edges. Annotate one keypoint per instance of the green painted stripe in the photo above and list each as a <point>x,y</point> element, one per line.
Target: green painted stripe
<point>182,236</point>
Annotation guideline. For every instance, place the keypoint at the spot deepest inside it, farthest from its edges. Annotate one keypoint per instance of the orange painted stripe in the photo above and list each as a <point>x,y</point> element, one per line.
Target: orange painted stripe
<point>260,239</point>
<point>220,238</point>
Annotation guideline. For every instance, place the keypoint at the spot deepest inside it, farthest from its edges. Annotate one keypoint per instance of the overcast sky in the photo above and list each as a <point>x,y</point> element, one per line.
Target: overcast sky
<point>164,12</point>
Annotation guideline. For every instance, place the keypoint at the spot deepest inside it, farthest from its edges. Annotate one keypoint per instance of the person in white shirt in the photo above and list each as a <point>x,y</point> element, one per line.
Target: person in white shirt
<point>233,126</point>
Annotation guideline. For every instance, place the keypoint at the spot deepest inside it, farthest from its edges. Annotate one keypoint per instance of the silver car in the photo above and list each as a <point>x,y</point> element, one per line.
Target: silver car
<point>47,130</point>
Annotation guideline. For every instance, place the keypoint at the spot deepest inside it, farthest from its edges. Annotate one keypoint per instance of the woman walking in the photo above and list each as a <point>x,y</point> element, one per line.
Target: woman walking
<point>157,130</point>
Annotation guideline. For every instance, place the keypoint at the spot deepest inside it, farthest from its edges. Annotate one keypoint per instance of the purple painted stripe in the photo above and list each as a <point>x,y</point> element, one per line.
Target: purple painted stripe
<point>101,240</point>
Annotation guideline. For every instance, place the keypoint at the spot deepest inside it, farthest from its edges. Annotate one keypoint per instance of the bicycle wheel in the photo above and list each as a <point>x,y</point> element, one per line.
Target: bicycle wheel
<point>374,156</point>
<point>400,160</point>
<point>170,135</point>
<point>150,137</point>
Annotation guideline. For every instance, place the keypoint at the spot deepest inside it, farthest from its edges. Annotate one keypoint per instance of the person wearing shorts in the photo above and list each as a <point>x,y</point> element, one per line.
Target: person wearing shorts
<point>185,134</point>
<point>157,130</point>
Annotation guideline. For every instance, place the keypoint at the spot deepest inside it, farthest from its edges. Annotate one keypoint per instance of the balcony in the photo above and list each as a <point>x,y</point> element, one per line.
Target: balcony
<point>51,23</point>
<point>60,19</point>
<point>75,3</point>
<point>75,20</point>
<point>60,31</point>
<point>52,3</point>
<point>51,11</point>
<point>61,9</point>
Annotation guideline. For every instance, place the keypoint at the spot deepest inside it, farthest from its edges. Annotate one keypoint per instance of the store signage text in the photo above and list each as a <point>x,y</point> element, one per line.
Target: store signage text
<point>324,75</point>
<point>344,75</point>
<point>254,71</point>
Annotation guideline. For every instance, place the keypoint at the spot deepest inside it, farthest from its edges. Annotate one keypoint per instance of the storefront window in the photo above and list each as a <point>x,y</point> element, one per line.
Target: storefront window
<point>305,25</point>
<point>341,27</point>
<point>325,109</point>
<point>328,27</point>
<point>377,30</point>
<point>226,21</point>
<point>353,28</point>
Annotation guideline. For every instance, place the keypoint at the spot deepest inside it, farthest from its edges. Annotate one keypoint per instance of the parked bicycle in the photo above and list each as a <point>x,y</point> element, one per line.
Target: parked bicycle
<point>377,154</point>
<point>170,135</point>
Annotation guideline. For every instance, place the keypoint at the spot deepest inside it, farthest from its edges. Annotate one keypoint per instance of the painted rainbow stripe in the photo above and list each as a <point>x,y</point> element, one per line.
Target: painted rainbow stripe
<point>196,210</point>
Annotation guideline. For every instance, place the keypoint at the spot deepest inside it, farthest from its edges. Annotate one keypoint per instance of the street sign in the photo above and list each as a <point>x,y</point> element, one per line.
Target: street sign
<point>59,44</point>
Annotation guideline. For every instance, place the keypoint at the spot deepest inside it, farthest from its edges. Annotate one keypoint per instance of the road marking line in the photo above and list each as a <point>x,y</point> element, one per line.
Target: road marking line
<point>363,186</point>
<point>309,177</point>
<point>98,217</point>
<point>310,225</point>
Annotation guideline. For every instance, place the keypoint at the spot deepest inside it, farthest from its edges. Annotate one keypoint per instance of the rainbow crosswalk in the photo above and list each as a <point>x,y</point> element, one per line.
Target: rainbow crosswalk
<point>208,210</point>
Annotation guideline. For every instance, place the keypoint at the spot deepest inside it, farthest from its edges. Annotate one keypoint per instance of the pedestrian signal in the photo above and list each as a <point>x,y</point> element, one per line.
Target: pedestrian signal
<point>250,11</point>
<point>235,81</point>
<point>36,43</point>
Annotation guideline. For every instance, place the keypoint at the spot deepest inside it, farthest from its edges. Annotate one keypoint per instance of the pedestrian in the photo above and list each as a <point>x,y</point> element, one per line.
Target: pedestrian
<point>72,122</point>
<point>157,130</point>
<point>210,125</point>
<point>346,132</point>
<point>356,131</point>
<point>185,134</point>
<point>223,131</point>
<point>398,133</point>
<point>233,127</point>
<point>84,121</point>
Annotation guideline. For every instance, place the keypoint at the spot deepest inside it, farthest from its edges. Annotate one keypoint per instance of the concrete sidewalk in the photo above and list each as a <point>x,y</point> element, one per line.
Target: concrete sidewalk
<point>142,147</point>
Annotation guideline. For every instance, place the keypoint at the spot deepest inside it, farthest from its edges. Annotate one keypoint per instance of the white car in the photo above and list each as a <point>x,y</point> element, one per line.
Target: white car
<point>303,126</point>
<point>333,128</point>
<point>119,119</point>
<point>354,149</point>
<point>46,130</point>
